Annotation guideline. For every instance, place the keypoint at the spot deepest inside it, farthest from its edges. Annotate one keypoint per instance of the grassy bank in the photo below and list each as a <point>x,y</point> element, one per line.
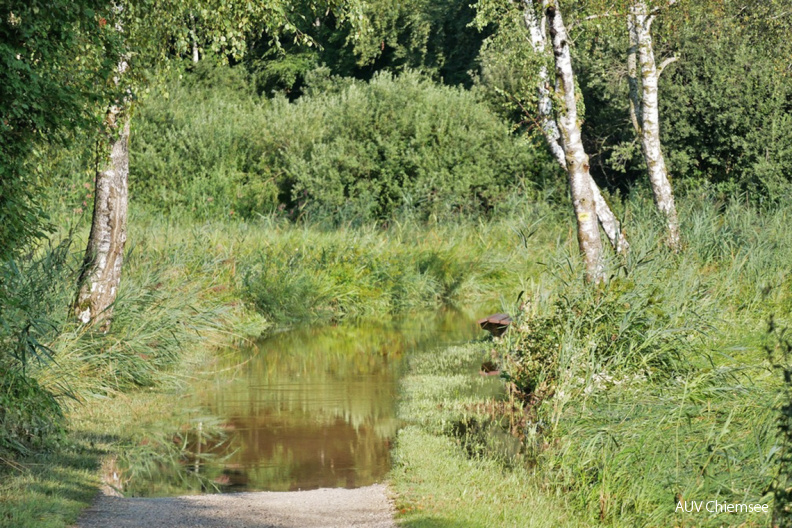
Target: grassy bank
<point>454,466</point>
<point>653,389</point>
<point>109,440</point>
<point>191,288</point>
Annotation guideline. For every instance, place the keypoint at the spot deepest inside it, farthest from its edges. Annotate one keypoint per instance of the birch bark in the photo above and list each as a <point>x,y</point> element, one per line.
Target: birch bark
<point>194,36</point>
<point>577,162</point>
<point>104,255</point>
<point>610,224</point>
<point>645,113</point>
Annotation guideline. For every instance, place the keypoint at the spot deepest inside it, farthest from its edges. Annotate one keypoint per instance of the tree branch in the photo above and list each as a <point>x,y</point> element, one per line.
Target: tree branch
<point>665,63</point>
<point>660,8</point>
<point>601,15</point>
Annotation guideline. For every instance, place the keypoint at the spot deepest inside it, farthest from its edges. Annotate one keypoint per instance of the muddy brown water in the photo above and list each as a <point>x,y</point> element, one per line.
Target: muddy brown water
<point>314,407</point>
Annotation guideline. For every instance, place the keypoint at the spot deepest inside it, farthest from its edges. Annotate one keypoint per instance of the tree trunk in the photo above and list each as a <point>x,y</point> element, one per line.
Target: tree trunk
<point>101,272</point>
<point>577,162</point>
<point>195,56</point>
<point>646,115</point>
<point>610,224</point>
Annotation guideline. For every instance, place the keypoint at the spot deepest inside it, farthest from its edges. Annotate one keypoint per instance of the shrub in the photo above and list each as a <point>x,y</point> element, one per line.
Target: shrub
<point>623,329</point>
<point>197,146</point>
<point>30,416</point>
<point>403,141</point>
<point>33,294</point>
<point>779,350</point>
<point>355,150</point>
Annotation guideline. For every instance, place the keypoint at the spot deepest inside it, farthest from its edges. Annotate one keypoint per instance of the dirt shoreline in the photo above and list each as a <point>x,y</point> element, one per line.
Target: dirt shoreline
<point>322,508</point>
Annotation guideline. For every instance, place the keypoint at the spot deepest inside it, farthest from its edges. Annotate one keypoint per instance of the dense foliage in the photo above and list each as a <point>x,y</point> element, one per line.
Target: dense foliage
<point>725,103</point>
<point>725,108</point>
<point>345,150</point>
<point>47,91</point>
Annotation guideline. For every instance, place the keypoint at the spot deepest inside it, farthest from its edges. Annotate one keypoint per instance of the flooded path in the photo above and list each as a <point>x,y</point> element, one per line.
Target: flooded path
<point>312,408</point>
<point>316,408</point>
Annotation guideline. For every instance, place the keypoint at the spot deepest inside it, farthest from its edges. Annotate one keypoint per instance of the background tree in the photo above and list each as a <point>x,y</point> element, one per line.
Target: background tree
<point>643,74</point>
<point>724,103</point>
<point>536,30</point>
<point>435,38</point>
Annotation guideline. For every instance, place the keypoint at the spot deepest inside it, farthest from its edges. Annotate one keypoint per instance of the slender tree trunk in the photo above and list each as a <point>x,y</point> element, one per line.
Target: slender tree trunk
<point>195,56</point>
<point>104,255</point>
<point>646,115</point>
<point>610,224</point>
<point>632,75</point>
<point>577,162</point>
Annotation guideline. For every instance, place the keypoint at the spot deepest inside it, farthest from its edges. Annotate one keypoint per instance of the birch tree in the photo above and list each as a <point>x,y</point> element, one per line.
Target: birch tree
<point>643,75</point>
<point>577,161</point>
<point>104,254</point>
<point>537,34</point>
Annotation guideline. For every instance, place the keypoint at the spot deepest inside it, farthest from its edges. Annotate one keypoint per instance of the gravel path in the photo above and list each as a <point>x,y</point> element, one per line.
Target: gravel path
<point>325,508</point>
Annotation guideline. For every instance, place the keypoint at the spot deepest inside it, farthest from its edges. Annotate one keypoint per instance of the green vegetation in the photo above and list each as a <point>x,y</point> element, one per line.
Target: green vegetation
<point>45,99</point>
<point>328,161</point>
<point>304,274</point>
<point>454,466</point>
<point>653,388</point>
<point>397,145</point>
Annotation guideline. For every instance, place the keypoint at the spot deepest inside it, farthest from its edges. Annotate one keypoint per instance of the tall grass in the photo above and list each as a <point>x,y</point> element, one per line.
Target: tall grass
<point>655,387</point>
<point>626,398</point>
<point>306,273</point>
<point>33,297</point>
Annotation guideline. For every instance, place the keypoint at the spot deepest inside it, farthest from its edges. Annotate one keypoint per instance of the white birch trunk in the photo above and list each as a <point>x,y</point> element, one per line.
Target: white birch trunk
<point>610,224</point>
<point>104,254</point>
<point>577,162</point>
<point>632,75</point>
<point>195,56</point>
<point>647,114</point>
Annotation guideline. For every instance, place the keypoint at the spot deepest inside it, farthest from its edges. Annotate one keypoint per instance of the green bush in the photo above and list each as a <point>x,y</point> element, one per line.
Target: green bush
<point>197,146</point>
<point>30,416</point>
<point>404,141</point>
<point>354,151</point>
<point>625,327</point>
<point>34,292</point>
<point>779,350</point>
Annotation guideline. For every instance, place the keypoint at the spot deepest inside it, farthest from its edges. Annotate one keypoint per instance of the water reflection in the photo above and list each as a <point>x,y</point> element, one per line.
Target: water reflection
<point>315,407</point>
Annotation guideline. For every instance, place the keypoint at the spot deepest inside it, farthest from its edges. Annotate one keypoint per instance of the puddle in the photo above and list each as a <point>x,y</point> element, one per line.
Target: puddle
<point>315,407</point>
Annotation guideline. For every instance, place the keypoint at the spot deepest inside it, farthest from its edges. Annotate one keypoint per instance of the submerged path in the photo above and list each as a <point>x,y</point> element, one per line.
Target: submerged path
<point>322,508</point>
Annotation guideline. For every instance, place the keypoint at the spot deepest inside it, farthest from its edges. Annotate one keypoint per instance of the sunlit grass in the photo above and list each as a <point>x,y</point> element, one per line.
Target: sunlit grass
<point>653,388</point>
